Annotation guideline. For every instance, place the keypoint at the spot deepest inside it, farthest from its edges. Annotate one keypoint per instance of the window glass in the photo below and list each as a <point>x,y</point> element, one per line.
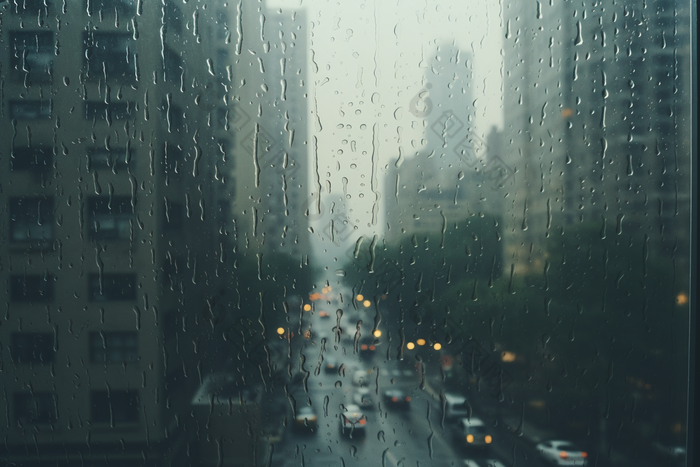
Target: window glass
<point>31,219</point>
<point>113,346</point>
<point>33,347</point>
<point>111,287</point>
<point>351,233</point>
<point>110,217</point>
<point>31,288</point>
<point>32,54</point>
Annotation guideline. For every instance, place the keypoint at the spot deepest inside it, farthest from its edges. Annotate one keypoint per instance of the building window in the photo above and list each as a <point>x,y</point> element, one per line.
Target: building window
<point>31,220</point>
<point>30,7</point>
<point>112,158</point>
<point>109,112</point>
<point>37,159</point>
<point>115,407</point>
<point>110,217</point>
<point>31,288</point>
<point>114,347</point>
<point>110,56</point>
<point>33,54</point>
<point>33,347</point>
<point>111,287</point>
<point>34,408</point>
<point>105,7</point>
<point>31,109</point>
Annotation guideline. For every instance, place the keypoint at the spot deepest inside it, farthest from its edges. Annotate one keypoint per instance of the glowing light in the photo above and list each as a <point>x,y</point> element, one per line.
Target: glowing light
<point>681,299</point>
<point>507,357</point>
<point>367,303</point>
<point>315,296</point>
<point>307,307</point>
<point>360,297</point>
<point>410,346</point>
<point>420,342</point>
<point>437,346</point>
<point>280,331</point>
<point>567,112</point>
<point>377,333</point>
<point>470,438</point>
<point>488,439</point>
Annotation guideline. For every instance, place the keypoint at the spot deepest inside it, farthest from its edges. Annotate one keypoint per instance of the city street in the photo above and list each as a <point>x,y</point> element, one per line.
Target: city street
<point>417,436</point>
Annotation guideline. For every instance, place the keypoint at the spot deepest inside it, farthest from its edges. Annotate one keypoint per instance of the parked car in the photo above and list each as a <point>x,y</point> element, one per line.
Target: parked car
<point>353,422</point>
<point>456,407</point>
<point>560,452</point>
<point>330,365</point>
<point>472,433</point>
<point>361,378</point>
<point>397,399</point>
<point>305,419</point>
<point>363,398</point>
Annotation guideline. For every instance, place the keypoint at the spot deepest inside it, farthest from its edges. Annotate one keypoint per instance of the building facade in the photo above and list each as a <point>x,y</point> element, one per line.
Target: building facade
<point>109,238</point>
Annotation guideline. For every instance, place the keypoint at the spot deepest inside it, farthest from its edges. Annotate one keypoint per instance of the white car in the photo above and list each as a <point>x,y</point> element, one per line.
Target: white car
<point>353,421</point>
<point>560,452</point>
<point>361,378</point>
<point>363,398</point>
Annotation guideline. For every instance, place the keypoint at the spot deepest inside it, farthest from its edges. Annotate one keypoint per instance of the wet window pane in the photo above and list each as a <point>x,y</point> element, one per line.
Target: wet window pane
<point>285,232</point>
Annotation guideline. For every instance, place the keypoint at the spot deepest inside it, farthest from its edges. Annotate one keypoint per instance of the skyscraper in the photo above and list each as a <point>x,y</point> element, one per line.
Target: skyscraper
<point>592,94</point>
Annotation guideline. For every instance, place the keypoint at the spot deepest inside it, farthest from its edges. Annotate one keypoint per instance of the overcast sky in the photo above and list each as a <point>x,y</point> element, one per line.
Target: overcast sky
<point>370,60</point>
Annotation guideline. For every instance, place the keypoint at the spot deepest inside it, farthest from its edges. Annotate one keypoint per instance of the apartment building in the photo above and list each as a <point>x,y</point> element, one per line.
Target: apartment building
<point>595,96</point>
<point>109,238</point>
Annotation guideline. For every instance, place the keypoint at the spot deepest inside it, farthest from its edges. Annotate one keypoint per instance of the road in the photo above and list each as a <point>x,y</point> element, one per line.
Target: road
<point>415,437</point>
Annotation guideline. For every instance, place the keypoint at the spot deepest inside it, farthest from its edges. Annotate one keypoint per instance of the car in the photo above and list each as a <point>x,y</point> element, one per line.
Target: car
<point>456,407</point>
<point>397,399</point>
<point>368,347</point>
<point>363,398</point>
<point>361,378</point>
<point>561,452</point>
<point>330,365</point>
<point>305,419</point>
<point>353,422</point>
<point>472,433</point>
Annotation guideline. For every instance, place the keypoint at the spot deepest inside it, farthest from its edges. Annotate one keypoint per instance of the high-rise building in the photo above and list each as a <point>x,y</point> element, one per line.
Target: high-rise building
<point>456,174</point>
<point>593,94</point>
<point>268,114</point>
<point>109,249</point>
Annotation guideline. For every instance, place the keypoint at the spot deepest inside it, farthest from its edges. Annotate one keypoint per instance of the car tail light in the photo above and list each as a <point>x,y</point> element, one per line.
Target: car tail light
<point>488,439</point>
<point>408,399</point>
<point>394,399</point>
<point>470,438</point>
<point>584,454</point>
<point>371,347</point>
<point>563,454</point>
<point>363,421</point>
<point>363,347</point>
